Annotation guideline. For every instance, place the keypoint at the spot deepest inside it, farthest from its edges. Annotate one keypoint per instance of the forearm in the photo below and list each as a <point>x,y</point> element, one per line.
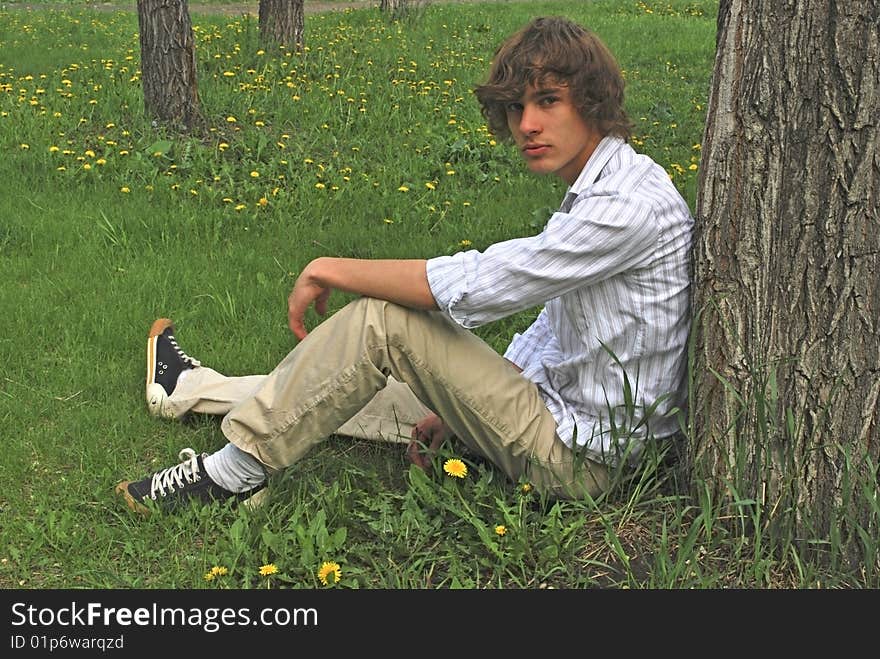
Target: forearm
<point>402,281</point>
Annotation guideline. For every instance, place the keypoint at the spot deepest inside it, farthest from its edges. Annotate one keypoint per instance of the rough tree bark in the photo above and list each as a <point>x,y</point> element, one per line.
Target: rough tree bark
<point>392,5</point>
<point>168,61</point>
<point>397,8</point>
<point>787,261</point>
<point>282,22</point>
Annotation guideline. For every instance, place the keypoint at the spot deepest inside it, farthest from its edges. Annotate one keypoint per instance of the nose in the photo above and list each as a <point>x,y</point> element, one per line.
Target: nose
<point>529,123</point>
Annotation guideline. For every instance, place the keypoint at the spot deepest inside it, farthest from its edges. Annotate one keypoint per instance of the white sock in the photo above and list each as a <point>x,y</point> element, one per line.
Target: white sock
<point>233,469</point>
<point>183,374</point>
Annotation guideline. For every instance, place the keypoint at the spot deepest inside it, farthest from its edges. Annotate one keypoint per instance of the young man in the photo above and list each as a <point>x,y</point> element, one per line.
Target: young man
<point>611,268</point>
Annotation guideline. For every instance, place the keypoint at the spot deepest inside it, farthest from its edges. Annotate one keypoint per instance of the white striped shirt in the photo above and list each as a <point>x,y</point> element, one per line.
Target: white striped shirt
<point>611,267</point>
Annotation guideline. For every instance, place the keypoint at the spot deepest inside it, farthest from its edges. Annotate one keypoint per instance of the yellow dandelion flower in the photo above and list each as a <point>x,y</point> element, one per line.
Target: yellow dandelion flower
<point>465,243</point>
<point>101,161</point>
<point>219,571</point>
<point>240,207</point>
<point>525,488</point>
<point>455,467</point>
<point>24,147</point>
<point>125,189</point>
<point>223,146</point>
<point>231,119</point>
<point>53,149</point>
<point>87,167</point>
<point>263,201</point>
<point>692,167</point>
<point>90,153</point>
<point>500,529</point>
<point>209,576</point>
<point>329,570</point>
<point>269,568</point>
<point>403,188</point>
<point>430,185</point>
<point>255,174</point>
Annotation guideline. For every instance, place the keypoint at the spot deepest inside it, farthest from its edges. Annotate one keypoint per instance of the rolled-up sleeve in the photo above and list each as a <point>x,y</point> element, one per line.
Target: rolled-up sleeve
<point>601,236</point>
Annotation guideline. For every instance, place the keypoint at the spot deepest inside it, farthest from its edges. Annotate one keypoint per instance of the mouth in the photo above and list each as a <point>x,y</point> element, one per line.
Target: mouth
<point>534,150</point>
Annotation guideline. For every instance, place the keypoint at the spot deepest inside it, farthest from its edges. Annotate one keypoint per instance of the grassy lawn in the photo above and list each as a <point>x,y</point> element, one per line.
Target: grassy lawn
<point>368,144</point>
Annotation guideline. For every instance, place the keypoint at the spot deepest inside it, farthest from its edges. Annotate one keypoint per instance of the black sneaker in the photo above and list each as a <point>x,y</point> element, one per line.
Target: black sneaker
<point>176,486</point>
<point>165,362</point>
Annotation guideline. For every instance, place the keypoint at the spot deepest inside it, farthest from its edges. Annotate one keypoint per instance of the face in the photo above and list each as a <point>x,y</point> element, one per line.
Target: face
<point>551,134</point>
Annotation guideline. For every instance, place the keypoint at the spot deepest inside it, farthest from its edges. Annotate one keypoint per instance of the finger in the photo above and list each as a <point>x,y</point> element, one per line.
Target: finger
<point>295,322</point>
<point>321,303</point>
<point>412,452</point>
<point>299,330</point>
<point>296,317</point>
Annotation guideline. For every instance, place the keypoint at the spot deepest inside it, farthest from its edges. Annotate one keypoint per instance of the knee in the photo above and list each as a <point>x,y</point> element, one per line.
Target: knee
<point>373,309</point>
<point>393,321</point>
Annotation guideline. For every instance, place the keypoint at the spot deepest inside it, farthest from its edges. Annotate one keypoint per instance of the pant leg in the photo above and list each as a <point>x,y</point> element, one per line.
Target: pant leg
<point>205,391</point>
<point>346,361</point>
<point>389,416</point>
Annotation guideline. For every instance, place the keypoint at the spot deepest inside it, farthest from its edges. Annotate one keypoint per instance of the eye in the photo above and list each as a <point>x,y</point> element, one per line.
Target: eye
<point>513,108</point>
<point>549,100</point>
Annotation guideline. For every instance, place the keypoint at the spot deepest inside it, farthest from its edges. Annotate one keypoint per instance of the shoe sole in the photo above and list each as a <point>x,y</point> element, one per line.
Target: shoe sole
<point>134,504</point>
<point>155,393</point>
<point>251,503</point>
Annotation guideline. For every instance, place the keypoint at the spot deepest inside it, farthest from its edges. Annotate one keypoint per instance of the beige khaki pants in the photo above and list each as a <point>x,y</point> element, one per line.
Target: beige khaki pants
<point>373,370</point>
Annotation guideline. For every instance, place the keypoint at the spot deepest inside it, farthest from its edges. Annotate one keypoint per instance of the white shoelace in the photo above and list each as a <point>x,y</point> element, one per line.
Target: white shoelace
<point>176,477</point>
<point>180,353</point>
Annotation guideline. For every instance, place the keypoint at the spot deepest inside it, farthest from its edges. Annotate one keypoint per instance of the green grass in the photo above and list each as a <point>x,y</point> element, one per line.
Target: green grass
<point>369,144</point>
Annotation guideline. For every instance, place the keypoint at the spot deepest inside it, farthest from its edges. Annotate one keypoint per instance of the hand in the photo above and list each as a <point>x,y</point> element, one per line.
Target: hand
<point>431,432</point>
<point>306,290</point>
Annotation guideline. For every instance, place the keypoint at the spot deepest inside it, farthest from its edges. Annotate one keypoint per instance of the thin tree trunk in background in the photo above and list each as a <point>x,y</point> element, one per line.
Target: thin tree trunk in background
<point>168,61</point>
<point>787,261</point>
<point>282,22</point>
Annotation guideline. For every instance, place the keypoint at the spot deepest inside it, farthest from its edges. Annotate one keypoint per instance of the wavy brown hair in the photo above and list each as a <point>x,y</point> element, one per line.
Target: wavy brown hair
<point>554,50</point>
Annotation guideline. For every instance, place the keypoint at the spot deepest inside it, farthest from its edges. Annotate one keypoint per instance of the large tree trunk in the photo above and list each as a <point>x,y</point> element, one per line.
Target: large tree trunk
<point>168,61</point>
<point>282,22</point>
<point>786,405</point>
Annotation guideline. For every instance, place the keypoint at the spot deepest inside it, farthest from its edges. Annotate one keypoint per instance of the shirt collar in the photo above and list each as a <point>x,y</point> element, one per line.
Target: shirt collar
<point>607,147</point>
